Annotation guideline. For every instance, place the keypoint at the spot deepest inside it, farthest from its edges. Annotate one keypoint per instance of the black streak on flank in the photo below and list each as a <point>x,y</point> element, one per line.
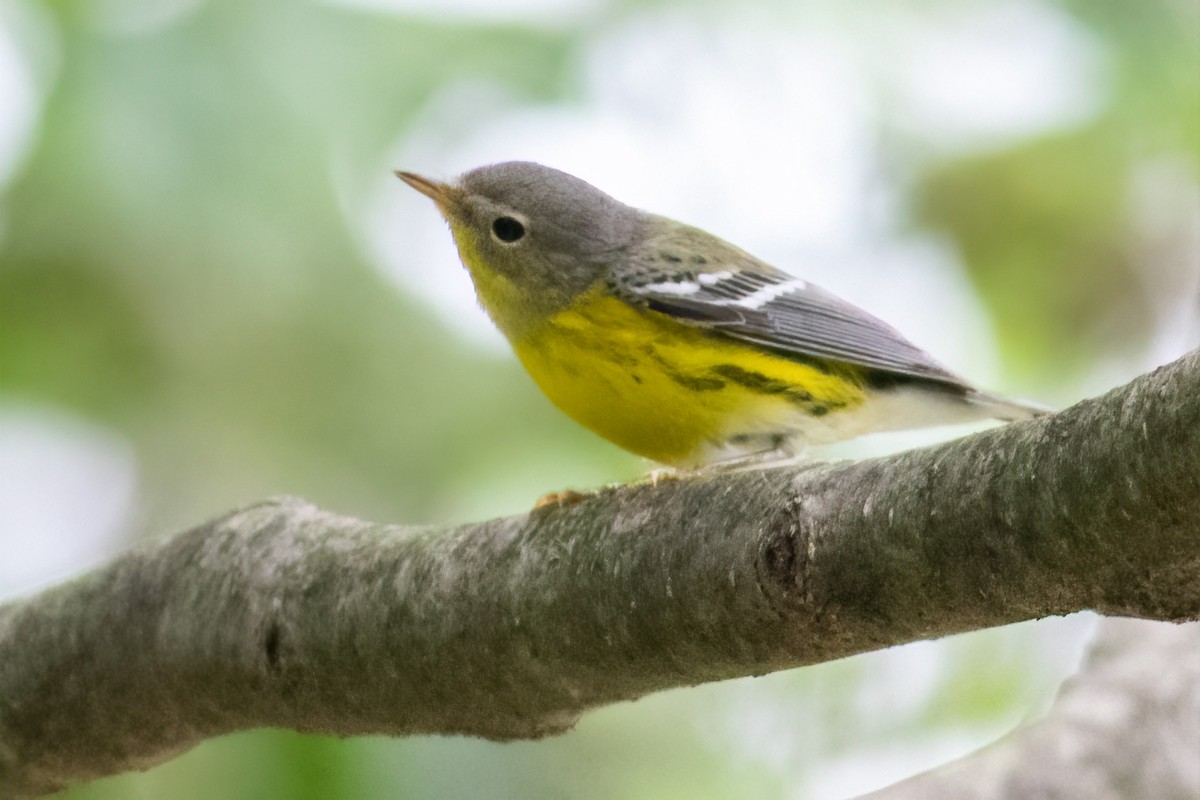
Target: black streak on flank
<point>757,382</point>
<point>696,384</point>
<point>754,381</point>
<point>671,257</point>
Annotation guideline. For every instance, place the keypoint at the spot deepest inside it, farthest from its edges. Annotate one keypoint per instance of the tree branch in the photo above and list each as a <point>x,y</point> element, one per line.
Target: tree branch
<point>1127,725</point>
<point>284,615</point>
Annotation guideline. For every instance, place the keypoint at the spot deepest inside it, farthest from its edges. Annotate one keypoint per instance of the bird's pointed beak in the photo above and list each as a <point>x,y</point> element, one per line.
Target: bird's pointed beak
<point>447,196</point>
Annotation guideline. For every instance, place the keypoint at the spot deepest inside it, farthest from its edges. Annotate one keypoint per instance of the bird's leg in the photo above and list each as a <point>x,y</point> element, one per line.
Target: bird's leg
<point>775,457</point>
<point>781,449</point>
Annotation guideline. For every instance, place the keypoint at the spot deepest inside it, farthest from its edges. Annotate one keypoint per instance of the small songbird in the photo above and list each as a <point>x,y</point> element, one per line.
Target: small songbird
<point>675,344</point>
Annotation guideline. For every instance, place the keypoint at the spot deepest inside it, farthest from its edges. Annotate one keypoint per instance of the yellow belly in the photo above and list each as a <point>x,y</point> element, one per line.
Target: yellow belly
<point>673,392</point>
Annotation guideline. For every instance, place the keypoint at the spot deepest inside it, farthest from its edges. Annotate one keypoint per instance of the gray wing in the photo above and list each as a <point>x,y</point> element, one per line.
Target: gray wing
<point>753,302</point>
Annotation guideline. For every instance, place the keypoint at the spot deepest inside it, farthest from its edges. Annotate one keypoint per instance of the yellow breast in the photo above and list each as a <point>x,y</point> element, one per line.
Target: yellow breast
<point>670,391</point>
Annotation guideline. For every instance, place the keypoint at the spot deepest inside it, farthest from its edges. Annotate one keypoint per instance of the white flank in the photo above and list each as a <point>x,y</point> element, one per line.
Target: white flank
<point>673,287</point>
<point>711,278</point>
<point>766,294</point>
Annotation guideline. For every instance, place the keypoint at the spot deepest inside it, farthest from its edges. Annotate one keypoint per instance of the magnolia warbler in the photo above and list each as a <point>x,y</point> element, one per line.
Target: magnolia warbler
<point>677,345</point>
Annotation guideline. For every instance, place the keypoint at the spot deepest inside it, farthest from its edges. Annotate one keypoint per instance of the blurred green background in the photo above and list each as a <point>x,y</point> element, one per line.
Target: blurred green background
<point>212,290</point>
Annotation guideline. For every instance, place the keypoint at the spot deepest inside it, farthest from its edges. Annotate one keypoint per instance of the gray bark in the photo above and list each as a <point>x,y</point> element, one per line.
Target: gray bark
<point>1126,727</point>
<point>284,615</point>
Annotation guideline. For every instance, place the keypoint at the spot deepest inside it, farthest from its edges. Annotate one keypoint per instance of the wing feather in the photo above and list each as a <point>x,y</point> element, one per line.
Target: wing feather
<point>745,299</point>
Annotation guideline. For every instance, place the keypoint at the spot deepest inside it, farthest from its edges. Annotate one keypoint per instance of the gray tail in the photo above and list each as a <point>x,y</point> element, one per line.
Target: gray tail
<point>1003,408</point>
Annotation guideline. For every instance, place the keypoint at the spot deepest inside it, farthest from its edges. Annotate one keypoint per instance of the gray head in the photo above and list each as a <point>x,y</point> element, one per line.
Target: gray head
<point>532,237</point>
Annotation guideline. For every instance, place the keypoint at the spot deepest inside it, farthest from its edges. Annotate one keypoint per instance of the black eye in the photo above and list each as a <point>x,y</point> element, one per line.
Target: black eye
<point>507,229</point>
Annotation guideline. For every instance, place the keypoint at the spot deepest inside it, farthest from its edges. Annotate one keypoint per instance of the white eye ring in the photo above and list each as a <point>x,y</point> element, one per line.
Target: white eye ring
<point>508,229</point>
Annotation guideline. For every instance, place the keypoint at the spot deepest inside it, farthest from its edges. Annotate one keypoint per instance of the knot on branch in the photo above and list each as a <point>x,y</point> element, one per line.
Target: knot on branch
<point>785,556</point>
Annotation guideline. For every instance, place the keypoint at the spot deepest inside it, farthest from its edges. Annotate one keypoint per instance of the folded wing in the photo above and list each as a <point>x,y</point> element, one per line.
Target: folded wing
<point>753,302</point>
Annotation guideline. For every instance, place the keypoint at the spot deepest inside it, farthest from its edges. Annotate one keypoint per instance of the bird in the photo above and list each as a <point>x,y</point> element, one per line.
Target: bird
<point>677,345</point>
